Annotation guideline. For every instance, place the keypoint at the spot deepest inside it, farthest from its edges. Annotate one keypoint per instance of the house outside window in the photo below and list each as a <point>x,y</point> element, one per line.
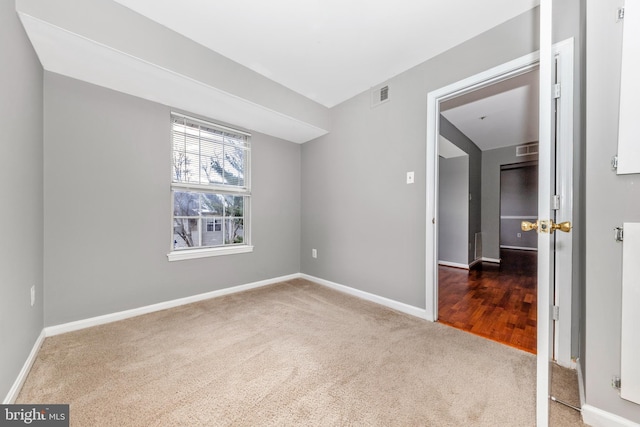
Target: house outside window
<point>210,189</point>
<point>214,224</point>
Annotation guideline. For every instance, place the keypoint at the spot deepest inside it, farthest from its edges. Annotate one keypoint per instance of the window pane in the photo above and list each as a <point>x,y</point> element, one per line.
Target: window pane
<point>206,155</point>
<point>179,166</point>
<point>212,233</point>
<point>212,204</point>
<point>234,166</point>
<point>234,231</point>
<point>185,233</point>
<point>186,203</point>
<point>234,206</point>
<point>233,139</point>
<point>211,164</point>
<point>207,219</point>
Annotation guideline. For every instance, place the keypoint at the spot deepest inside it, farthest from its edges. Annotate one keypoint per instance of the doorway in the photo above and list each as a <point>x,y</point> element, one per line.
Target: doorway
<point>486,265</point>
<point>562,296</point>
<point>555,256</point>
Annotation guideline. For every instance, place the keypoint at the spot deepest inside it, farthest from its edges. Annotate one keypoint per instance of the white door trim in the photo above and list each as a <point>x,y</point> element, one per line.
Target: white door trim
<point>501,72</point>
<point>564,187</point>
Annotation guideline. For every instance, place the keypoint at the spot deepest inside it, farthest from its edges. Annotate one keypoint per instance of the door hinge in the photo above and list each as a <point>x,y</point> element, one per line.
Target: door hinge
<point>620,14</point>
<point>556,90</point>
<point>619,234</point>
<point>616,382</point>
<point>556,312</point>
<point>555,202</point>
<point>614,162</point>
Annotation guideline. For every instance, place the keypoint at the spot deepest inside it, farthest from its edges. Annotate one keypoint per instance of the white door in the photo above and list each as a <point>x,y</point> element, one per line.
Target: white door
<point>546,187</point>
<point>554,163</point>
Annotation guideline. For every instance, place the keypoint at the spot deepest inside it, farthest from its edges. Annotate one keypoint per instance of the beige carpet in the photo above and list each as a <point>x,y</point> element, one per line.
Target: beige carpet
<point>294,353</point>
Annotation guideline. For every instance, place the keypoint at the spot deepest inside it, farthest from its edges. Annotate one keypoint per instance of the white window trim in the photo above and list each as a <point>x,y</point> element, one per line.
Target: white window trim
<point>208,252</point>
<point>186,254</point>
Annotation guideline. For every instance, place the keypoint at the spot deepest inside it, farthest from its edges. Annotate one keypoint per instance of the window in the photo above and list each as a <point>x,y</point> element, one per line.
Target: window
<point>210,189</point>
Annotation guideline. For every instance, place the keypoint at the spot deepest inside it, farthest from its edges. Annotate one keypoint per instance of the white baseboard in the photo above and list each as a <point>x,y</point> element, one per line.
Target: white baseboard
<point>580,383</point>
<point>494,260</point>
<point>519,248</point>
<point>474,262</point>
<point>121,315</point>
<point>453,264</point>
<point>396,305</point>
<point>596,417</point>
<point>22,376</point>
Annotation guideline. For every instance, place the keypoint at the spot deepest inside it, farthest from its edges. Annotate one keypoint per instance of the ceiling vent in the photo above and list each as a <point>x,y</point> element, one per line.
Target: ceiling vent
<point>526,150</point>
<point>379,95</point>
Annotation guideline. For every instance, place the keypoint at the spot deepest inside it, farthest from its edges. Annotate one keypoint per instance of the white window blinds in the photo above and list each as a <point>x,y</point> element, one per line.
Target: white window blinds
<point>209,156</point>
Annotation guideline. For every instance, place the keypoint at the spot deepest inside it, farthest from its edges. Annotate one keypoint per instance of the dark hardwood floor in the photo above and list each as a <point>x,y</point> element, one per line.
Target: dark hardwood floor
<point>496,301</point>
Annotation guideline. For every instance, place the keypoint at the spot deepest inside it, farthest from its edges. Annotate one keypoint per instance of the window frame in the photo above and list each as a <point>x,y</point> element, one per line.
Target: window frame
<point>243,191</point>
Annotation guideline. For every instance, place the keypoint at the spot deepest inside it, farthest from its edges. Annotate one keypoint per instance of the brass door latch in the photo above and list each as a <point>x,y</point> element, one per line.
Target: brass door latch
<point>547,226</point>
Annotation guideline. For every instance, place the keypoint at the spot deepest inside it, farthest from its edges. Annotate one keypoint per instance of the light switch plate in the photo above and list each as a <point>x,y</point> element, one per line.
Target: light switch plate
<point>410,177</point>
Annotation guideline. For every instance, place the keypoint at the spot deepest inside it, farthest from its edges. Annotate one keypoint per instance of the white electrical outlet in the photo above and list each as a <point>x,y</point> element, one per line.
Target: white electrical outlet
<point>33,295</point>
<point>314,253</point>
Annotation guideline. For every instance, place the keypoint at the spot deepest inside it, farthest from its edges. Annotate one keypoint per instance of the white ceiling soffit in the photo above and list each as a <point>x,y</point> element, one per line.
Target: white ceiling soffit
<point>330,50</point>
<point>448,149</point>
<point>500,115</point>
<point>63,52</point>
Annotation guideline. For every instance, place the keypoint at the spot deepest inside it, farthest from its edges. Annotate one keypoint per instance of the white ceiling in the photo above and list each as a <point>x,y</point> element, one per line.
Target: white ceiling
<point>500,115</point>
<point>329,50</point>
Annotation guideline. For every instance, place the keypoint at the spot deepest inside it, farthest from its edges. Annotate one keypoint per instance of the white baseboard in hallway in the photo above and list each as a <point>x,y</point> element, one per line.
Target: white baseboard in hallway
<point>454,264</point>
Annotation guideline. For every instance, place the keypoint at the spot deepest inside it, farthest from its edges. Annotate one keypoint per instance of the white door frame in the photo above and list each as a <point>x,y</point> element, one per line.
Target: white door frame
<point>563,50</point>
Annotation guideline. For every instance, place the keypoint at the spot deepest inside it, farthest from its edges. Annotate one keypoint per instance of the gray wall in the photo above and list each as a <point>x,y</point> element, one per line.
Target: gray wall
<point>107,204</point>
<point>518,197</point>
<point>366,222</point>
<point>21,195</point>
<point>453,134</point>
<point>453,191</point>
<point>492,160</point>
<point>610,201</point>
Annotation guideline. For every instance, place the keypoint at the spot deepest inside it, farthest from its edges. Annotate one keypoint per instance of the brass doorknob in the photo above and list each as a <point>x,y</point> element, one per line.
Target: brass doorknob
<point>546,226</point>
<point>563,226</point>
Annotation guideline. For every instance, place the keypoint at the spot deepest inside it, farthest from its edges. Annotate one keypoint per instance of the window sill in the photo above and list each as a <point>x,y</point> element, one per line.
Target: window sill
<point>208,252</point>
